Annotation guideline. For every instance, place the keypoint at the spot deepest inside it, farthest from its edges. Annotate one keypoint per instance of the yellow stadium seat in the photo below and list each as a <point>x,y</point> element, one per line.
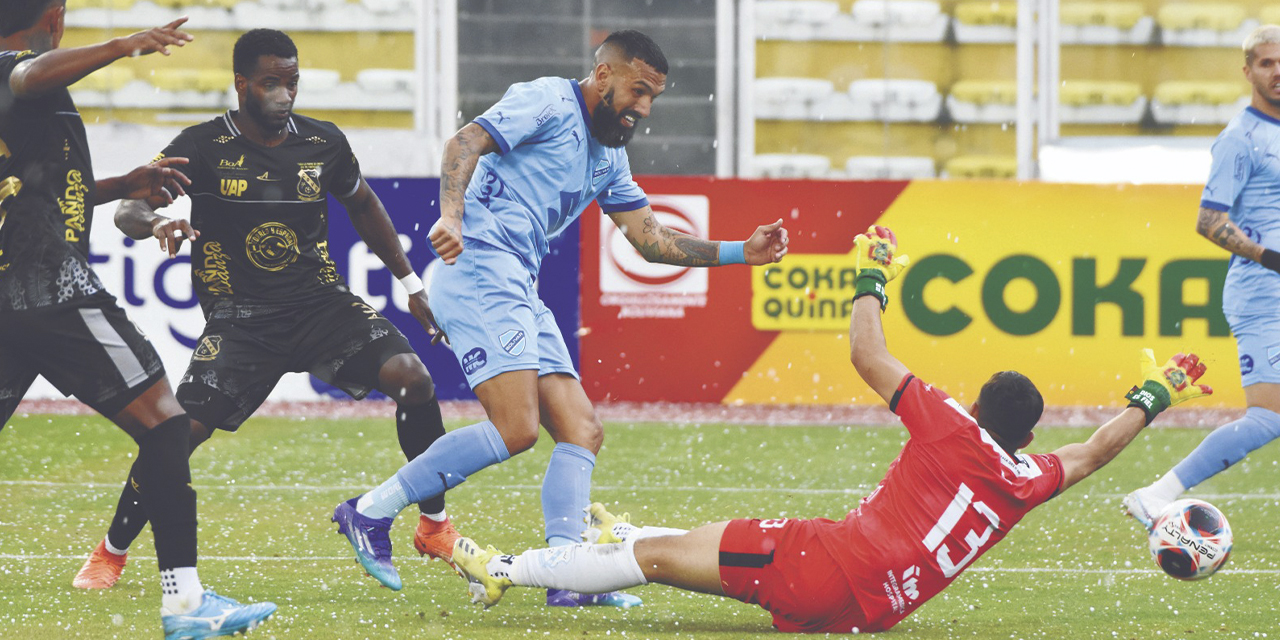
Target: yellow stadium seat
<point>105,79</point>
<point>1084,93</point>
<point>190,79</point>
<point>1214,16</point>
<point>184,4</point>
<point>999,13</point>
<point>983,92</point>
<point>979,166</point>
<point>102,4</point>
<point>1209,93</point>
<point>1121,15</point>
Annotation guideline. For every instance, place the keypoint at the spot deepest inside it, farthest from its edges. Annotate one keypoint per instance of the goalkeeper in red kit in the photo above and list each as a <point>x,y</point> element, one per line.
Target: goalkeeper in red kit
<point>956,489</point>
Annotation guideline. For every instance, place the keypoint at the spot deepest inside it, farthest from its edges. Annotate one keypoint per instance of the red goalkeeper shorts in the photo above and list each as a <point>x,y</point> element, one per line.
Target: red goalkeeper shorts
<point>782,566</point>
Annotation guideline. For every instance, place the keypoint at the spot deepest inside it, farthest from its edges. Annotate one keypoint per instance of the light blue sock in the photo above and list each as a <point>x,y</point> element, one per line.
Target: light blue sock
<point>566,493</point>
<point>443,466</point>
<point>1227,445</point>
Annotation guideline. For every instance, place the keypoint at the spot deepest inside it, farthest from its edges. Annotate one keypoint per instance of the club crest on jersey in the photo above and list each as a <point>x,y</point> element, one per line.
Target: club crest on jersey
<point>1273,357</point>
<point>601,170</point>
<point>272,246</point>
<point>309,180</point>
<point>512,341</point>
<point>208,348</point>
<point>473,360</point>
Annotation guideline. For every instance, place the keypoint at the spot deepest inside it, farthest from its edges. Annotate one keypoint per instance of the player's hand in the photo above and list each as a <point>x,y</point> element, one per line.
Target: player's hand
<point>159,183</point>
<point>1163,387</point>
<point>157,39</point>
<point>877,253</point>
<point>766,245</point>
<point>171,233</point>
<point>420,308</point>
<point>446,239</point>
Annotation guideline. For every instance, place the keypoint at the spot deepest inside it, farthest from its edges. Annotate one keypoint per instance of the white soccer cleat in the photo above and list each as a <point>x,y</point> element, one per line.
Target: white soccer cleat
<point>473,564</point>
<point>1144,507</point>
<point>602,526</point>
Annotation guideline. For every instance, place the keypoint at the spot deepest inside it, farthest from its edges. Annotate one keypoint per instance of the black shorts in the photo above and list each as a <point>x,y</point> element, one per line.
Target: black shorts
<point>87,348</point>
<point>245,349</point>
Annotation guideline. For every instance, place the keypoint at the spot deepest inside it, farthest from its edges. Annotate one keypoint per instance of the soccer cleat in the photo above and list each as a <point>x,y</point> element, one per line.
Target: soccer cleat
<point>436,539</point>
<point>566,598</point>
<point>371,539</point>
<point>473,564</point>
<point>600,526</point>
<point>100,570</point>
<point>1143,507</point>
<point>216,616</point>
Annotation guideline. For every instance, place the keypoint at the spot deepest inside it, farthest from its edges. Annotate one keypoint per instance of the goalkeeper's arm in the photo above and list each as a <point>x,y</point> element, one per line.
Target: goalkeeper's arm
<point>1161,388</point>
<point>869,352</point>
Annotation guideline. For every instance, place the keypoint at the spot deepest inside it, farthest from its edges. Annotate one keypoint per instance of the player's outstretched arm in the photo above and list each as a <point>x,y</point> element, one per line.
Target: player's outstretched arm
<point>657,242</point>
<point>461,155</point>
<point>63,67</point>
<point>371,221</point>
<point>875,264</point>
<point>139,220</point>
<point>1162,387</point>
<point>1218,228</point>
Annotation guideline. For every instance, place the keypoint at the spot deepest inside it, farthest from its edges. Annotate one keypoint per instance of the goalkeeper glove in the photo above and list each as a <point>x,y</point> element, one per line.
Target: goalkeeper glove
<point>875,264</point>
<point>1163,387</point>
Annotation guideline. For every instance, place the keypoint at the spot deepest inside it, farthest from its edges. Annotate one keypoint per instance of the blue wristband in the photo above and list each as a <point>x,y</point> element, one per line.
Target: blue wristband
<point>731,253</point>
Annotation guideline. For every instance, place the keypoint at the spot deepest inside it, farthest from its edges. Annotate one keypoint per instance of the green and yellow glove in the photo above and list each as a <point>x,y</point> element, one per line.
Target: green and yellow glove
<point>1163,387</point>
<point>875,263</point>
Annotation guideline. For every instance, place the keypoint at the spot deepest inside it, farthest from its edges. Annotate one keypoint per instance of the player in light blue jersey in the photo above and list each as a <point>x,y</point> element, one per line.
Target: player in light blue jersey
<point>1240,212</point>
<point>513,180</point>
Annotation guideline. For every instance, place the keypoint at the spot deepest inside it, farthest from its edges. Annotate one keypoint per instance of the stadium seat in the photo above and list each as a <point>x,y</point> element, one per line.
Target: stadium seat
<point>186,88</point>
<point>793,19</point>
<point>390,89</point>
<point>1186,102</point>
<point>1203,24</point>
<point>792,165</point>
<point>1105,23</point>
<point>986,21</point>
<point>1101,102</point>
<point>983,101</point>
<point>388,6</point>
<point>980,166</point>
<point>895,100</point>
<point>878,21</point>
<point>788,98</point>
<point>96,89</point>
<point>889,168</point>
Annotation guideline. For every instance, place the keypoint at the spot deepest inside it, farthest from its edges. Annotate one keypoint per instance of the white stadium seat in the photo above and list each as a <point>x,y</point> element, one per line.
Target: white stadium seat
<point>889,168</point>
<point>895,100</point>
<point>792,165</point>
<point>793,19</point>
<point>788,98</point>
<point>897,21</point>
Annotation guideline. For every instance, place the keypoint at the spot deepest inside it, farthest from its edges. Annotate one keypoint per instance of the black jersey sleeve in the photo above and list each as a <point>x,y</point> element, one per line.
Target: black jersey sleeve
<point>346,174</point>
<point>184,146</point>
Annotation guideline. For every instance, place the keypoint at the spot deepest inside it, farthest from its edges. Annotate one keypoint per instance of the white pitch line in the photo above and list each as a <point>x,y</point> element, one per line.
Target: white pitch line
<point>857,491</point>
<point>1063,570</point>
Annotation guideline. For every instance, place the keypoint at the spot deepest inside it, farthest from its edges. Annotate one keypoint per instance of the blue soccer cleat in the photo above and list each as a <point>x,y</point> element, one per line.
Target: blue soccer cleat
<point>566,598</point>
<point>216,616</point>
<point>371,539</point>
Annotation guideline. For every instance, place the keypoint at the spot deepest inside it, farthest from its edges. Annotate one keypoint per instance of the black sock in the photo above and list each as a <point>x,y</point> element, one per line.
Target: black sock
<point>130,517</point>
<point>163,478</point>
<point>417,427</point>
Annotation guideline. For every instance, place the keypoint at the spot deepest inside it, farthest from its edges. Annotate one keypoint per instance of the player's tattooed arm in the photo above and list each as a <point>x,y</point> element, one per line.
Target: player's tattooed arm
<point>658,243</point>
<point>461,155</point>
<point>1218,228</point>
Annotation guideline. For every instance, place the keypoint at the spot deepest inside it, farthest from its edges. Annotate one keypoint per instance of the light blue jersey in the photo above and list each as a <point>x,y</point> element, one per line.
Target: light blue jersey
<point>547,172</point>
<point>1244,181</point>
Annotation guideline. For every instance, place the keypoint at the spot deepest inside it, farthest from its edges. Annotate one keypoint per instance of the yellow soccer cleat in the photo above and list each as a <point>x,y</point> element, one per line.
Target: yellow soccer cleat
<point>600,525</point>
<point>473,564</point>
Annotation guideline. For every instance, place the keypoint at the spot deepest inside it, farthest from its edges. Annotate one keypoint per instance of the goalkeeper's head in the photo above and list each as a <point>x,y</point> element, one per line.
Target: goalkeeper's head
<point>1008,407</point>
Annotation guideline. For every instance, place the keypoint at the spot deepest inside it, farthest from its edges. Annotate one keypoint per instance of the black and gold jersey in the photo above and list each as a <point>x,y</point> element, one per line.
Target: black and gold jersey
<point>262,211</point>
<point>46,197</point>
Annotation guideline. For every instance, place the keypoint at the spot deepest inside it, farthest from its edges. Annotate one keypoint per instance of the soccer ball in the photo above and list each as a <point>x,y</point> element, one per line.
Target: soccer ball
<point>1190,540</point>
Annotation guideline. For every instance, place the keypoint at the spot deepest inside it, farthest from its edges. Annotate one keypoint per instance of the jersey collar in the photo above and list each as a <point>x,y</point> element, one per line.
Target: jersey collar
<point>1261,115</point>
<point>291,126</point>
<point>582,103</point>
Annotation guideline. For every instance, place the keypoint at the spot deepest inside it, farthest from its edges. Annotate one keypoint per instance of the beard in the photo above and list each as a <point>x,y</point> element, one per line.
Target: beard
<point>606,124</point>
<point>266,121</point>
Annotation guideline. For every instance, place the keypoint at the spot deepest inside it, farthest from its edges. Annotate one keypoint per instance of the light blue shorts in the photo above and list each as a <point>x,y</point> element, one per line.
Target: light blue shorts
<point>1258,341</point>
<point>487,304</point>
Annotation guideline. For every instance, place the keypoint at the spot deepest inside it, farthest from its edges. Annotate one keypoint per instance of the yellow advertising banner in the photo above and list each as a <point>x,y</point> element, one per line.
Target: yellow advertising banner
<point>1065,283</point>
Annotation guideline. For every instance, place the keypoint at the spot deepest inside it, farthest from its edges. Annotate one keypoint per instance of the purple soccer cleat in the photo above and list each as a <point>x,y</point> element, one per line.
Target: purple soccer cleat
<point>371,539</point>
<point>566,598</point>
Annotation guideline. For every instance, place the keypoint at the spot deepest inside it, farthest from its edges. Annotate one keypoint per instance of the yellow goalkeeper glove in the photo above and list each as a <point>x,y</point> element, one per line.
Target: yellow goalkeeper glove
<point>1163,387</point>
<point>875,263</point>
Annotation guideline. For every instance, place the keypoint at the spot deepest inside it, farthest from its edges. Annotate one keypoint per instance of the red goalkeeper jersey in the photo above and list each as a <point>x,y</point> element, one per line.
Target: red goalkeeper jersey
<point>951,495</point>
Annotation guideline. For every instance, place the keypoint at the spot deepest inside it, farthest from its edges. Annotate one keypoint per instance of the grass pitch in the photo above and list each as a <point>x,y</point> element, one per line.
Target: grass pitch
<point>1074,568</point>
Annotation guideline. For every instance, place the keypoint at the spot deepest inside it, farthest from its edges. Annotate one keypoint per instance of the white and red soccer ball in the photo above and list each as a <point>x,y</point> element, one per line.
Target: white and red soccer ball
<point>1191,539</point>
